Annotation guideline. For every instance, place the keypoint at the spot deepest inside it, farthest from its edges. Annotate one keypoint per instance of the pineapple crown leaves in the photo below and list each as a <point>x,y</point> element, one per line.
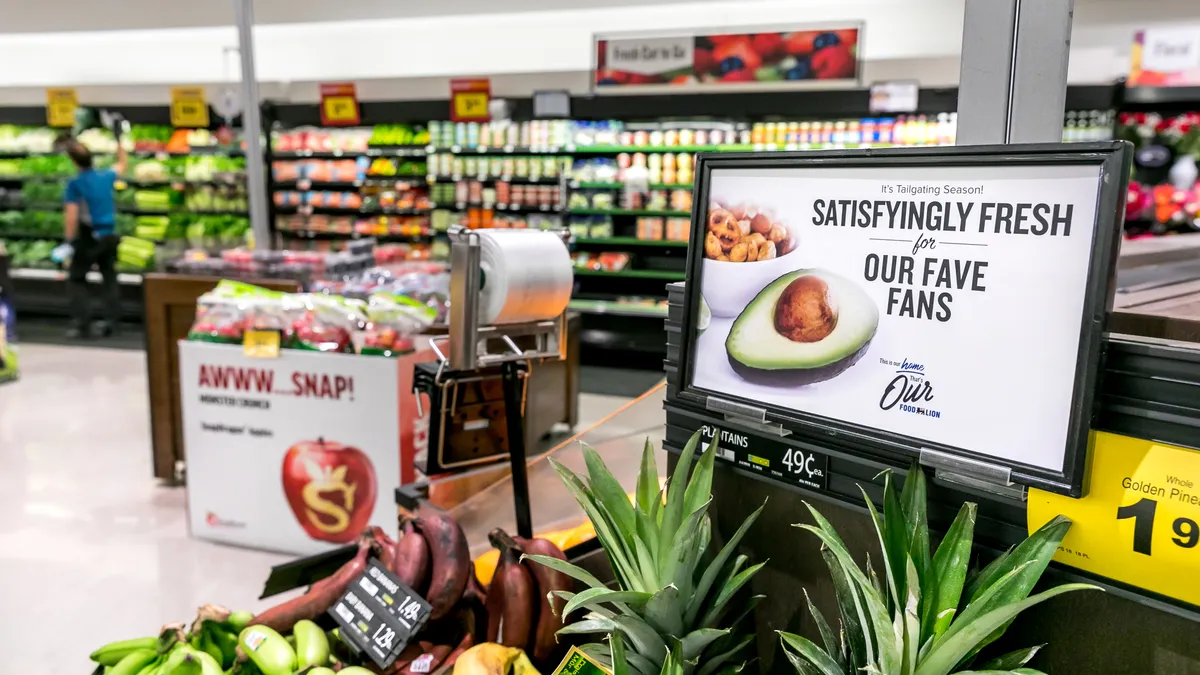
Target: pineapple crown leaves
<point>926,616</point>
<point>671,610</point>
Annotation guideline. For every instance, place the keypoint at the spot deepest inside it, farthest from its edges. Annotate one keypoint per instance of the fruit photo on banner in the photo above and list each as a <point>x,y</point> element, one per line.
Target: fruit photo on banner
<point>777,57</point>
<point>331,488</point>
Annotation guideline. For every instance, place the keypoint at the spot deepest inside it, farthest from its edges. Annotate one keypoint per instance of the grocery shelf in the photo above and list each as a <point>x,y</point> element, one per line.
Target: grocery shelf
<point>618,308</point>
<point>628,212</point>
<point>632,274</point>
<point>34,179</point>
<point>306,184</point>
<point>216,182</point>
<point>518,180</point>
<point>30,236</point>
<point>585,185</point>
<point>394,151</point>
<point>529,208</point>
<point>345,211</point>
<point>586,149</point>
<point>342,236</point>
<point>61,275</point>
<point>134,211</point>
<point>628,241</point>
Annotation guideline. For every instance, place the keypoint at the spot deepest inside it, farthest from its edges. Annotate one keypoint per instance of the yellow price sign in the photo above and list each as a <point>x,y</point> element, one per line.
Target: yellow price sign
<point>189,107</point>
<point>1140,521</point>
<point>60,107</point>
<point>471,104</point>
<point>341,109</point>
<point>261,344</point>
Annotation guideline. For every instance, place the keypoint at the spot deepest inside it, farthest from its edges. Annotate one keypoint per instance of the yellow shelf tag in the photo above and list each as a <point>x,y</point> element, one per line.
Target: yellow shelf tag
<point>261,344</point>
<point>60,107</point>
<point>189,108</point>
<point>1140,521</point>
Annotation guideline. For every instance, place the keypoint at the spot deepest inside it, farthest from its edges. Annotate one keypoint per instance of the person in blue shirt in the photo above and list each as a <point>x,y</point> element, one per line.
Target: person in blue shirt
<point>90,218</point>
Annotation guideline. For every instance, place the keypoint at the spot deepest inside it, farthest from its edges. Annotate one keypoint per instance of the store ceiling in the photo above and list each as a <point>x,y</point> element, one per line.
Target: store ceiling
<point>100,15</point>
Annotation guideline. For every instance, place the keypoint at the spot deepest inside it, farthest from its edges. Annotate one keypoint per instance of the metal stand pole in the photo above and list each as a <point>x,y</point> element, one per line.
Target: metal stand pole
<point>256,174</point>
<point>512,372</point>
<point>1013,79</point>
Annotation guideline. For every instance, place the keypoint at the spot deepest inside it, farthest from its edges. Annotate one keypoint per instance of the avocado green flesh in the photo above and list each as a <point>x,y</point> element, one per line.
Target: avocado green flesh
<point>758,352</point>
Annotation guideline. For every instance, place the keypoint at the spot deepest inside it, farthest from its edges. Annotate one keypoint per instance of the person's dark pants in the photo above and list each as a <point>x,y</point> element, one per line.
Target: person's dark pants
<point>100,252</point>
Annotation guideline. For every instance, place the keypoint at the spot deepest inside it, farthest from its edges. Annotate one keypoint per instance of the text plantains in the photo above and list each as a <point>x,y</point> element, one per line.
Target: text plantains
<point>994,217</point>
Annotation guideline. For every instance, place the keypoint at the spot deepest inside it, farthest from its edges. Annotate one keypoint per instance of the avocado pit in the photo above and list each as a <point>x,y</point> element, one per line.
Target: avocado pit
<point>806,311</point>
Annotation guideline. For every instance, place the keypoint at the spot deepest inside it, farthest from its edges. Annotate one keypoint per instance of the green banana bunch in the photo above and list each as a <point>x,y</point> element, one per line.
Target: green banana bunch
<point>312,647</point>
<point>133,662</point>
<point>112,653</point>
<point>268,650</point>
<point>189,661</point>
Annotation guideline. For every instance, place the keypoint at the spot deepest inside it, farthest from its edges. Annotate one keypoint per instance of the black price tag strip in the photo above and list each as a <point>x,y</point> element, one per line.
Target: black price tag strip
<point>378,615</point>
<point>770,458</point>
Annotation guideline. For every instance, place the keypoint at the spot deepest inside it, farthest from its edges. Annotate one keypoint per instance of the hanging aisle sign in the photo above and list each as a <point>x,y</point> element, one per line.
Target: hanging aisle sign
<point>1140,522</point>
<point>339,105</point>
<point>935,303</point>
<point>189,108</point>
<point>778,58</point>
<point>1165,57</point>
<point>469,100</point>
<point>60,107</point>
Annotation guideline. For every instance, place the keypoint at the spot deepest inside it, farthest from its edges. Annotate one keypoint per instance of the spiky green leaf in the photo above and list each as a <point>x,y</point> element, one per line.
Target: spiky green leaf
<point>860,644</point>
<point>712,664</point>
<point>574,571</point>
<point>958,642</point>
<point>913,497</point>
<point>598,651</point>
<point>608,491</point>
<point>594,596</point>
<point>888,655</point>
<point>699,488</point>
<point>827,635</point>
<point>730,588</point>
<point>676,488</point>
<point>696,602</point>
<point>911,635</point>
<point>644,639</point>
<point>620,665</point>
<point>681,559</point>
<point>1039,547</point>
<point>948,574</point>
<point>613,544</point>
<point>811,653</point>
<point>695,641</point>
<point>664,611</point>
<point>1014,659</point>
<point>586,626</point>
<point>647,484</point>
<point>896,535</point>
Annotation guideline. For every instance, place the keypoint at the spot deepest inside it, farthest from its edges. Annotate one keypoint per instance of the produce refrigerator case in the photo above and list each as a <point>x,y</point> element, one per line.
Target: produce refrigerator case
<point>297,453</point>
<point>827,419</point>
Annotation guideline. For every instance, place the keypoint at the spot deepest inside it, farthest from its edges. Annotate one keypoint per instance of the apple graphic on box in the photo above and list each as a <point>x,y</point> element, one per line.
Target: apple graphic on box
<point>331,489</point>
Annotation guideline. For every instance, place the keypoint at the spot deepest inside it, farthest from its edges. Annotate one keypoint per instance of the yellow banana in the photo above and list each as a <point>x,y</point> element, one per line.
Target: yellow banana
<point>521,666</point>
<point>488,658</point>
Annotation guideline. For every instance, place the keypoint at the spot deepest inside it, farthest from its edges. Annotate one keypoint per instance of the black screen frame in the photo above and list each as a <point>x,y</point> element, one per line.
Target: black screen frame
<point>1113,159</point>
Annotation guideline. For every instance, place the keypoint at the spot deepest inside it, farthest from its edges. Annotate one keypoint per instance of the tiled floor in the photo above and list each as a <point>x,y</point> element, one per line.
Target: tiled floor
<point>92,549</point>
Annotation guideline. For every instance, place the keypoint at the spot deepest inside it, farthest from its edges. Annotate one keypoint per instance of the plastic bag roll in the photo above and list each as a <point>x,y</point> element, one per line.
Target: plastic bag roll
<point>527,276</point>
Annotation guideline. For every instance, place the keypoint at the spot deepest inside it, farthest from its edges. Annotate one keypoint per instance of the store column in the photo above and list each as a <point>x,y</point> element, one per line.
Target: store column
<point>1013,78</point>
<point>256,177</point>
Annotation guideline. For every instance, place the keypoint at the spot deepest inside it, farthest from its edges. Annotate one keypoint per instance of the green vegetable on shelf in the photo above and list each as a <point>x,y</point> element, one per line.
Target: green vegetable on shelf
<point>152,200</point>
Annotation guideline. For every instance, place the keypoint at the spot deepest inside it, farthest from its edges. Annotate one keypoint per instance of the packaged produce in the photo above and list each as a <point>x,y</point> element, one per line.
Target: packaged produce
<point>393,321</point>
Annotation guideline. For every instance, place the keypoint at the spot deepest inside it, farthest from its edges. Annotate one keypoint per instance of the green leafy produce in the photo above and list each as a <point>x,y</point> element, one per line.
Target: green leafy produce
<point>675,610</point>
<point>929,616</point>
<point>46,165</point>
<point>152,200</point>
<point>31,254</point>
<point>42,192</point>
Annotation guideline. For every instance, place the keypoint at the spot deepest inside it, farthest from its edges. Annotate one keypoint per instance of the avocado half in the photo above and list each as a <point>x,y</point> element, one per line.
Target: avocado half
<point>760,354</point>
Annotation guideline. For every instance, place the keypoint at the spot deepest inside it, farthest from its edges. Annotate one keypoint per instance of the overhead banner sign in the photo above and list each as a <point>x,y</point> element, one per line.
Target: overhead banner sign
<point>469,100</point>
<point>339,105</point>
<point>1140,522</point>
<point>189,107</point>
<point>60,107</point>
<point>773,59</point>
<point>948,300</point>
<point>1165,57</point>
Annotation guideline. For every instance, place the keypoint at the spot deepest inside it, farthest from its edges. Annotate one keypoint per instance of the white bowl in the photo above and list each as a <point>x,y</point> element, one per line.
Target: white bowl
<point>728,287</point>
